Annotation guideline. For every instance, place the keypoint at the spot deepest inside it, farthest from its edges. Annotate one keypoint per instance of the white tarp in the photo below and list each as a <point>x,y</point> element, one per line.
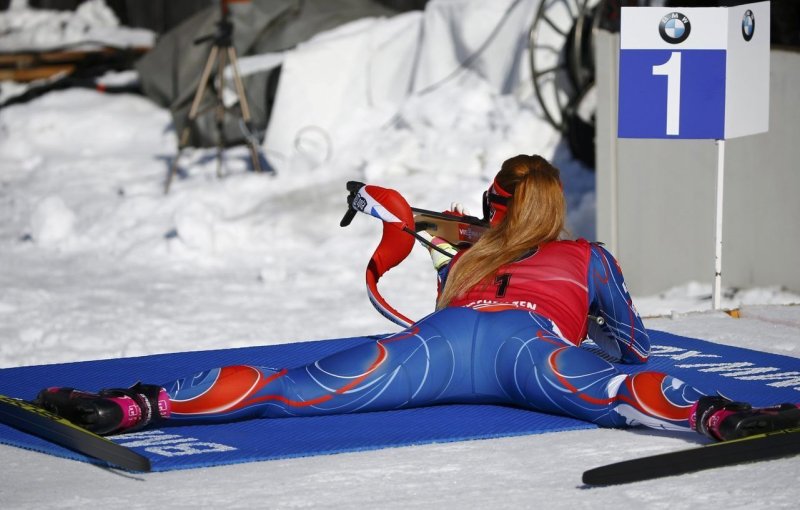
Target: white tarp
<point>491,36</point>
<point>366,64</point>
<point>367,68</point>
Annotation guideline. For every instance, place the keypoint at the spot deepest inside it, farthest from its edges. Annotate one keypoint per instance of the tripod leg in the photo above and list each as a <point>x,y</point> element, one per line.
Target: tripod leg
<point>198,97</point>
<point>173,168</point>
<point>237,79</point>
<point>220,112</point>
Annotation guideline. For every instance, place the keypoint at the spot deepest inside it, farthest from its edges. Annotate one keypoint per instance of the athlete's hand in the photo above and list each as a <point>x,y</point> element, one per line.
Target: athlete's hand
<point>438,258</point>
<point>457,209</point>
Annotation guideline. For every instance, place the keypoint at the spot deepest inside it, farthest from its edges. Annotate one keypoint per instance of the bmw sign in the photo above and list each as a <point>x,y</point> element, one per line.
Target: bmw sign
<point>748,25</point>
<point>675,28</point>
<point>690,79</point>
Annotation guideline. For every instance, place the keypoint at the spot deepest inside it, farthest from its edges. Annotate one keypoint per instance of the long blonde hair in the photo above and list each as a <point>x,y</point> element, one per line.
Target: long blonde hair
<point>536,213</point>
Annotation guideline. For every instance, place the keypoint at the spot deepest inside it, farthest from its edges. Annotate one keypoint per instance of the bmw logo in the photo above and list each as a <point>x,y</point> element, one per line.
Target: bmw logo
<point>675,28</point>
<point>748,25</point>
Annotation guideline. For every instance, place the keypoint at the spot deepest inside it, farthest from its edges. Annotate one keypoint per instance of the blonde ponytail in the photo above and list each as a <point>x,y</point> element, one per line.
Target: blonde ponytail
<point>536,215</point>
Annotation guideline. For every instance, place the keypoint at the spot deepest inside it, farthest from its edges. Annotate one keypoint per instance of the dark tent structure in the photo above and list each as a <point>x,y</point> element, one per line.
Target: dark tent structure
<point>170,73</point>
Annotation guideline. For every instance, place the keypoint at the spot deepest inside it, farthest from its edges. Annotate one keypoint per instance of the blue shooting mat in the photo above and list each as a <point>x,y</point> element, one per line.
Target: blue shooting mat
<point>742,374</point>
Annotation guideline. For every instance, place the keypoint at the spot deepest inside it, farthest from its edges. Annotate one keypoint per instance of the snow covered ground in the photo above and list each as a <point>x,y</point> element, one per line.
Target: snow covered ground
<point>96,262</point>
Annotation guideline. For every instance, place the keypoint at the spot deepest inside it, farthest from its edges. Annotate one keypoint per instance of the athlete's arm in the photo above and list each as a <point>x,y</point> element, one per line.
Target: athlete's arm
<point>444,271</point>
<point>621,332</point>
<point>438,258</point>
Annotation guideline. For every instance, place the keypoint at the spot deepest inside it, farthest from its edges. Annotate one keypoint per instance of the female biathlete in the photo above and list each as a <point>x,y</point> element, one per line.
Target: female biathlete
<point>510,317</point>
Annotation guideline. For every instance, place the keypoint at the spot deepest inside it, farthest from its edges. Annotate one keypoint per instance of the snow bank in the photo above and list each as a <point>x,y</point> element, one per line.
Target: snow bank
<point>91,24</point>
<point>444,92</point>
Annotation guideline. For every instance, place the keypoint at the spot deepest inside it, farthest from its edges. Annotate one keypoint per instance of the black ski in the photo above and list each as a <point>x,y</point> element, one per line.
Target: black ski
<point>39,422</point>
<point>770,445</point>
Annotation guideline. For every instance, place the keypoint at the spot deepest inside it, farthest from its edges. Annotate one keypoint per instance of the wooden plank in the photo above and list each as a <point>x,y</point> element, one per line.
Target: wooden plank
<point>35,73</point>
<point>29,66</point>
<point>31,59</point>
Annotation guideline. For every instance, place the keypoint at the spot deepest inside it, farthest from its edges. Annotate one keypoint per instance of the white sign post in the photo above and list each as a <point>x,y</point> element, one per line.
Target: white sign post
<point>695,73</point>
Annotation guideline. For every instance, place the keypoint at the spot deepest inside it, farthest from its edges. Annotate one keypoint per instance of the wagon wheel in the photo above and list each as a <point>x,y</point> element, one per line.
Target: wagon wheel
<point>561,56</point>
<point>562,51</point>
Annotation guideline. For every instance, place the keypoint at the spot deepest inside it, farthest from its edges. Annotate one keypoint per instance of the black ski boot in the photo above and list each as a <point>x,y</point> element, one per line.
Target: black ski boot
<point>111,411</point>
<point>722,419</point>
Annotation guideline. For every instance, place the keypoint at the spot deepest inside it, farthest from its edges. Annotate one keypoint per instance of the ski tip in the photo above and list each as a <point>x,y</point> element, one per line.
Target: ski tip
<point>594,478</point>
<point>139,464</point>
<point>32,419</point>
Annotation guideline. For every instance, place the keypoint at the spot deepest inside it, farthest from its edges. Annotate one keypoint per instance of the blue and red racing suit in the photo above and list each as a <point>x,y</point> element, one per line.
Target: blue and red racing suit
<point>513,342</point>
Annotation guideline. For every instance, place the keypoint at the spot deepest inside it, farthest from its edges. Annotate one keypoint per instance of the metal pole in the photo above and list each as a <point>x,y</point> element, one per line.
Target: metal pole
<point>716,294</point>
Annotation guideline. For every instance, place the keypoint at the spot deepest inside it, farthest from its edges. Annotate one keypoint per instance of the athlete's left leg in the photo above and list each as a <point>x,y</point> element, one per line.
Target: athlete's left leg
<point>537,369</point>
<point>428,363</point>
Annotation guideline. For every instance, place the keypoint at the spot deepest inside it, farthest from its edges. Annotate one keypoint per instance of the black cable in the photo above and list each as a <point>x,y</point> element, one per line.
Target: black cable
<point>469,60</point>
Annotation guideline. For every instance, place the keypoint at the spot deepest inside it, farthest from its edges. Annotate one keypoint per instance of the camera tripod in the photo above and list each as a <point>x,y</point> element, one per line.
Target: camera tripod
<point>222,51</point>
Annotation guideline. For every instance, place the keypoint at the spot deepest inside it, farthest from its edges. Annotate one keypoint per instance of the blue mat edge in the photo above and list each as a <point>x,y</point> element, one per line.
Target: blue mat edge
<point>65,453</point>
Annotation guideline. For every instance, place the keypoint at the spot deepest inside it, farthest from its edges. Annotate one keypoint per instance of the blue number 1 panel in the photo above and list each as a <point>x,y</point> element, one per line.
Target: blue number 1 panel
<point>672,94</point>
